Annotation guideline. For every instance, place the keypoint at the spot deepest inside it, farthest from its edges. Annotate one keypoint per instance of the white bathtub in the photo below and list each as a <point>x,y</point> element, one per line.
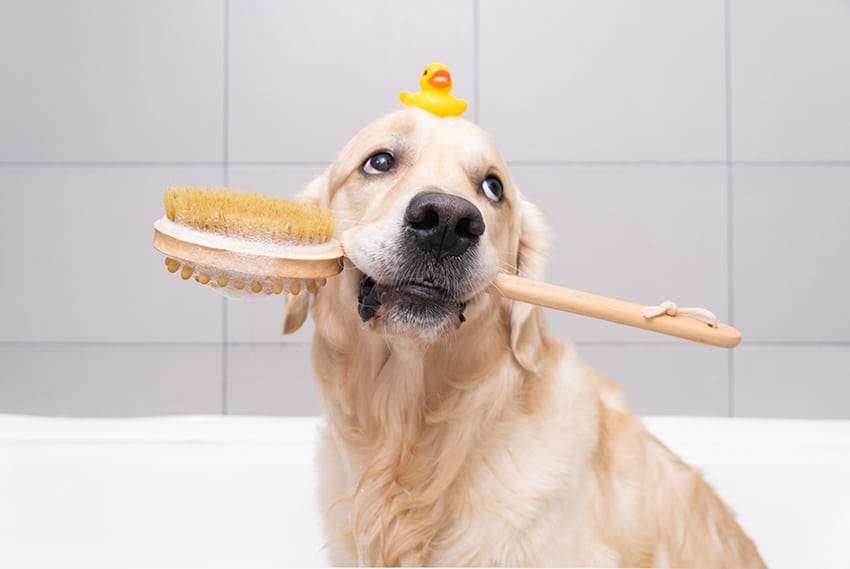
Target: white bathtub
<point>240,491</point>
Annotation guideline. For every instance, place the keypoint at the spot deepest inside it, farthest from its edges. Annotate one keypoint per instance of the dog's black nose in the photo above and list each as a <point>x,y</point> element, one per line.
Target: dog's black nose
<point>443,224</point>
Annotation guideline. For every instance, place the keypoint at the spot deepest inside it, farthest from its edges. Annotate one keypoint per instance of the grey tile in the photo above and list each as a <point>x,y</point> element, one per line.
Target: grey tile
<point>305,76</point>
<point>261,319</point>
<point>274,180</point>
<point>789,80</point>
<point>112,81</point>
<point>271,380</point>
<point>664,379</point>
<point>77,245</point>
<point>639,233</point>
<point>110,381</point>
<point>613,80</point>
<point>806,382</point>
<point>792,253</point>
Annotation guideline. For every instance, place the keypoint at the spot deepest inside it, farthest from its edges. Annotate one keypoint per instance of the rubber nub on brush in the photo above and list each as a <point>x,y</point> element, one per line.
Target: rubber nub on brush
<point>240,285</point>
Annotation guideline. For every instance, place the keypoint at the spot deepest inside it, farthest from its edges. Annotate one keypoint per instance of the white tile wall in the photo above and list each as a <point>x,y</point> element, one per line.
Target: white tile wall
<point>110,381</point>
<point>801,381</point>
<point>604,80</point>
<point>664,379</point>
<point>78,263</point>
<point>792,252</point>
<point>642,233</point>
<point>696,151</point>
<point>790,80</point>
<point>298,66</point>
<point>99,81</point>
<point>271,380</point>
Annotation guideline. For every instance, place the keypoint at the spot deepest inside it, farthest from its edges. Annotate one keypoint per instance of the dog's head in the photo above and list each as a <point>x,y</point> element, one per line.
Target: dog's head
<point>428,215</point>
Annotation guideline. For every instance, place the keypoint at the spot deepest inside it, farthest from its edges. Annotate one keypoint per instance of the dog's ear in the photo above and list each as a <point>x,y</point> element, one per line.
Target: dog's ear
<point>534,233</point>
<point>527,323</point>
<point>298,306</point>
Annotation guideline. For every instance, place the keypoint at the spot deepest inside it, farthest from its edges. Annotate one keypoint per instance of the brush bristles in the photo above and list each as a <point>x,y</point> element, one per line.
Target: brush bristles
<point>250,216</point>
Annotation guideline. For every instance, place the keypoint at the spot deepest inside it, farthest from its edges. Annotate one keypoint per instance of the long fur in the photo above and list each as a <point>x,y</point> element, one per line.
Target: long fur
<point>491,444</point>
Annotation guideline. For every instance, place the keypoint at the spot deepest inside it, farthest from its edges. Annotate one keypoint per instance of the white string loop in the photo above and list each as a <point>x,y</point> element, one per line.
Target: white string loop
<point>670,308</point>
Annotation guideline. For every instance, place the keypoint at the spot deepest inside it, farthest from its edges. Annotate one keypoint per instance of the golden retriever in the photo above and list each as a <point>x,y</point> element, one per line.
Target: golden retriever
<point>459,432</point>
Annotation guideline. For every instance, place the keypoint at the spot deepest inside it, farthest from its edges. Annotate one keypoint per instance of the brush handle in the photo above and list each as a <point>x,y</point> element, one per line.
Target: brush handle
<point>613,310</point>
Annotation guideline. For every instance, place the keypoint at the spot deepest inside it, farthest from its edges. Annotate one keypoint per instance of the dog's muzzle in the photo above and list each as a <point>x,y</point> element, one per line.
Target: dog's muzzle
<point>431,283</point>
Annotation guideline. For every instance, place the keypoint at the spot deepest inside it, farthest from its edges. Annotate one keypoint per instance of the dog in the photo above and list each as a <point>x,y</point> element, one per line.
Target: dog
<point>458,431</point>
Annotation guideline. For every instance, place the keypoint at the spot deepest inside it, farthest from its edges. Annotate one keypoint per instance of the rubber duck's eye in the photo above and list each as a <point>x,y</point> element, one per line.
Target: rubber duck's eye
<point>493,189</point>
<point>378,163</point>
<point>425,72</point>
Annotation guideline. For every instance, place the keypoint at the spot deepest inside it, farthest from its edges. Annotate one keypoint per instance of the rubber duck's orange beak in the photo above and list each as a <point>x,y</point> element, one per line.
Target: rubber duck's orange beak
<point>441,79</point>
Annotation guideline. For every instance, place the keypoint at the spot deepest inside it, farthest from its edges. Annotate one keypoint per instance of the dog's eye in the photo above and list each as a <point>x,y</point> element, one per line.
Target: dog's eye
<point>492,188</point>
<point>378,163</point>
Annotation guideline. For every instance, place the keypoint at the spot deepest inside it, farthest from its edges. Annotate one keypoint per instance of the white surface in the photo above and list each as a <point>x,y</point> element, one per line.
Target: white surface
<point>240,491</point>
<point>161,492</point>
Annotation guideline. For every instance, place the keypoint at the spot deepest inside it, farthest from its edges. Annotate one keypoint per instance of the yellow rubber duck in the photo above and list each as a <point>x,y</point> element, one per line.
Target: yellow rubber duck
<point>435,97</point>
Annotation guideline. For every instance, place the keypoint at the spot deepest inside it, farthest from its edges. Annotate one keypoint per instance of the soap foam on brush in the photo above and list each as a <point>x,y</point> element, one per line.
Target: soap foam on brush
<point>259,245</point>
<point>253,232</point>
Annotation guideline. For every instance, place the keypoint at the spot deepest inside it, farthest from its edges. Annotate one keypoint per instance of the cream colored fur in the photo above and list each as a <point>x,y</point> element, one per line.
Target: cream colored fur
<point>492,443</point>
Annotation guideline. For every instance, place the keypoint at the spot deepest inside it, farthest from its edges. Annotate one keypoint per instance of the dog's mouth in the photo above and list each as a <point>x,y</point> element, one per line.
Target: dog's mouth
<point>416,304</point>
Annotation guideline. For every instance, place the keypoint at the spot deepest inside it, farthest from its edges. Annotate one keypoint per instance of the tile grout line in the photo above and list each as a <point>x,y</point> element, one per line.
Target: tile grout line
<point>277,343</point>
<point>224,356</point>
<point>475,61</point>
<point>225,151</point>
<point>107,344</point>
<point>323,163</point>
<point>225,67</point>
<point>730,233</point>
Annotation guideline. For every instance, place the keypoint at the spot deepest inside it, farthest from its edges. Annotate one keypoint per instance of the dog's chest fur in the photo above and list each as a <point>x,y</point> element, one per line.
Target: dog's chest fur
<point>569,477</point>
<point>439,489</point>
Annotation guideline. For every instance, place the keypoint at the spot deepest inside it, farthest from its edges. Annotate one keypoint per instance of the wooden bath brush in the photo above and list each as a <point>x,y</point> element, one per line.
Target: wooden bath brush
<point>247,244</point>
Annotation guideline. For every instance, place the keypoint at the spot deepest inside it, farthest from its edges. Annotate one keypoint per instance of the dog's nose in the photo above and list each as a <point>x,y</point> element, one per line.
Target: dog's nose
<point>443,224</point>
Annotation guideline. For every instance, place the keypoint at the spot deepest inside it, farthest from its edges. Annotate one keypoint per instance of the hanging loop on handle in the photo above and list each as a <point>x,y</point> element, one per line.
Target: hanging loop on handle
<point>670,308</point>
